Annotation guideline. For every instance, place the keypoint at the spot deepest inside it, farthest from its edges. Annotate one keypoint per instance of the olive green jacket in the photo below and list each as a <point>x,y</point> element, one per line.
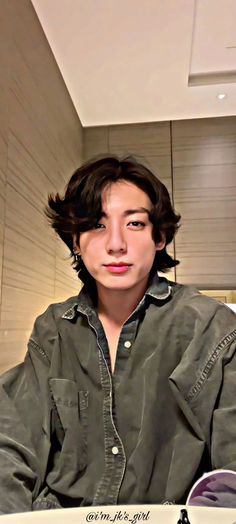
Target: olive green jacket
<point>72,434</point>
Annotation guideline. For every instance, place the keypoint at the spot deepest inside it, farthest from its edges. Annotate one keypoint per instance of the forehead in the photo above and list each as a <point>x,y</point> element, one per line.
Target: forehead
<point>124,195</point>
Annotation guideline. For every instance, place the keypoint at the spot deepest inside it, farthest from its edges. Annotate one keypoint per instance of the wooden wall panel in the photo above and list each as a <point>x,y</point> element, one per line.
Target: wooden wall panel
<point>149,143</point>
<point>29,253</point>
<point>4,97</point>
<point>204,174</point>
<point>95,141</point>
<point>42,139</point>
<point>13,343</point>
<point>54,104</point>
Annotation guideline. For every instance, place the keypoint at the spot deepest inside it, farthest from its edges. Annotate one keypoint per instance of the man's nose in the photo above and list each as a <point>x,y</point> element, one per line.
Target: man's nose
<point>116,242</point>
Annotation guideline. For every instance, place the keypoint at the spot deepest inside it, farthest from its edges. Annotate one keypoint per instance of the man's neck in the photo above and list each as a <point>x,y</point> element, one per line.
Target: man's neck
<point>116,306</point>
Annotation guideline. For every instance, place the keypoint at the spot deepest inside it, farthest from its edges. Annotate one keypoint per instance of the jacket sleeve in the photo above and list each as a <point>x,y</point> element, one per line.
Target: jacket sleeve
<point>223,443</point>
<point>24,431</point>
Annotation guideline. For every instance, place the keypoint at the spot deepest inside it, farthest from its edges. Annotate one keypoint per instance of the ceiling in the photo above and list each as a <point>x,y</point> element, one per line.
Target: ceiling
<point>131,61</point>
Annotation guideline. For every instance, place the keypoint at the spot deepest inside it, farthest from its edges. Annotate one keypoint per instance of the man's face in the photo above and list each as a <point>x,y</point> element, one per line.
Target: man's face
<point>119,251</point>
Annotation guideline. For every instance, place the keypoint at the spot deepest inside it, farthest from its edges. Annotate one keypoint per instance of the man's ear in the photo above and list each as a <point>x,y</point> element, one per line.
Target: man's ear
<point>162,243</point>
<point>75,243</point>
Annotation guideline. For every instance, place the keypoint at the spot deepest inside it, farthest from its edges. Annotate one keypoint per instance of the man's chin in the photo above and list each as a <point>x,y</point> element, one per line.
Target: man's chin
<point>121,284</point>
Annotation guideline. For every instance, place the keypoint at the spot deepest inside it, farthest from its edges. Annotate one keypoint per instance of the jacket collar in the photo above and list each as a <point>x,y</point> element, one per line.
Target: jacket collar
<point>159,290</point>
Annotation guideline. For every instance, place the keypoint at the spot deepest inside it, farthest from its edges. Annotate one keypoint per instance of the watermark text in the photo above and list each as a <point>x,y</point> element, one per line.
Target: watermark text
<point>118,516</point>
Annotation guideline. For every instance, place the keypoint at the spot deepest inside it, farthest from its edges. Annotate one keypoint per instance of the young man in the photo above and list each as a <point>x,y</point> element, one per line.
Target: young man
<point>127,392</point>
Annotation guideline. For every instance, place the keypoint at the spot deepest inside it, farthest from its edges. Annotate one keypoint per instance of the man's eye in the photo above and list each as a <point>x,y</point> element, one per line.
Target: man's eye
<point>99,226</point>
<point>136,224</point>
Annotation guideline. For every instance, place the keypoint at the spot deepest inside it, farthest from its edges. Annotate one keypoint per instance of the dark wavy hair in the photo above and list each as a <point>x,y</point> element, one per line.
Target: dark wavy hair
<point>80,208</point>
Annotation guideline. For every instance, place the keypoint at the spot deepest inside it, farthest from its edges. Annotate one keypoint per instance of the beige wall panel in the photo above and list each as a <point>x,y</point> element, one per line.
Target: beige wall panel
<point>38,129</point>
<point>4,117</point>
<point>95,142</point>
<point>26,176</point>
<point>26,136</point>
<point>159,165</point>
<point>58,107</point>
<point>156,133</point>
<point>40,147</point>
<point>204,178</point>
<point>207,141</point>
<point>29,250</point>
<point>221,269</point>
<point>13,345</point>
<point>222,154</point>
<point>199,208</point>
<point>2,209</point>
<point>70,155</point>
<point>20,308</point>
<point>198,253</point>
<point>66,281</point>
<point>197,238</point>
<point>1,238</point>
<point>150,143</point>
<point>226,296</point>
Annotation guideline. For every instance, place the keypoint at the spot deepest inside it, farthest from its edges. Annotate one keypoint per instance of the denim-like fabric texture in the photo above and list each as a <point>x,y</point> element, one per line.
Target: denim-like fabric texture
<point>73,434</point>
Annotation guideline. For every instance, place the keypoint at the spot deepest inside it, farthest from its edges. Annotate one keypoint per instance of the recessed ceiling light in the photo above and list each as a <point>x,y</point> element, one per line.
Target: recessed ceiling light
<point>221,96</point>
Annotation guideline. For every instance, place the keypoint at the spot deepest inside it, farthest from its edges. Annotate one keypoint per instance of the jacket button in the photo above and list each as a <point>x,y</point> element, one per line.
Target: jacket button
<point>115,450</point>
<point>127,344</point>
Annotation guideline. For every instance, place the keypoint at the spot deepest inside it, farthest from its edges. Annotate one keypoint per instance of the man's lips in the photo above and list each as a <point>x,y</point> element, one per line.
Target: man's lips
<point>117,264</point>
<point>117,267</point>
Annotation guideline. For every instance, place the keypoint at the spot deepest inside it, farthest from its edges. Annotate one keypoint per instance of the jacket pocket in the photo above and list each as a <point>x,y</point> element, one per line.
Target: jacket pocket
<point>70,412</point>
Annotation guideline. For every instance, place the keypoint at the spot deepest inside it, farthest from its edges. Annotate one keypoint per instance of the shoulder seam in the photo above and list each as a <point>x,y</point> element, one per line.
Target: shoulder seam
<point>38,348</point>
<point>223,345</point>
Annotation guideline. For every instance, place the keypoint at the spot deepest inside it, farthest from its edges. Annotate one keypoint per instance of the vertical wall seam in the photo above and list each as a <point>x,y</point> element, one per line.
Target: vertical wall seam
<point>108,139</point>
<point>4,232</point>
<point>172,184</point>
<point>8,89</point>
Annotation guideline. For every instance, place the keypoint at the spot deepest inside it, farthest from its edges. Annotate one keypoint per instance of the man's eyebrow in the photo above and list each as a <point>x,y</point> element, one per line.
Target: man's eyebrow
<point>137,210</point>
<point>128,212</point>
